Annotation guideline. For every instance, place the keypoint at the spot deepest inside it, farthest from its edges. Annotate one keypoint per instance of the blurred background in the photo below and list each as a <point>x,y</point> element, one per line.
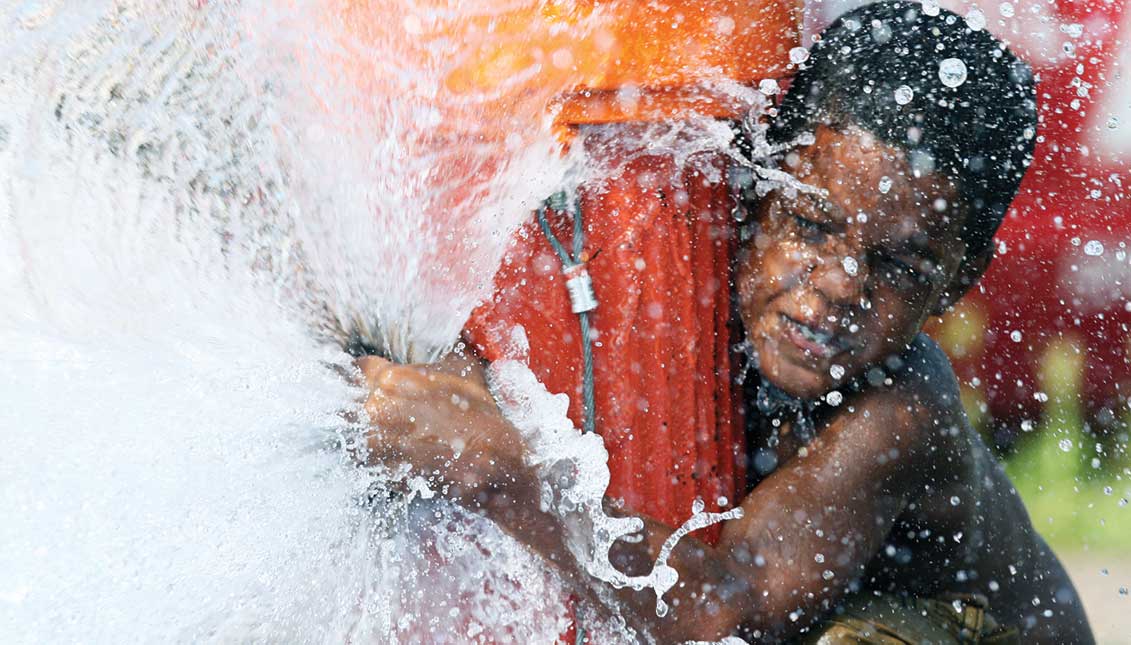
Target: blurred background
<point>1042,348</point>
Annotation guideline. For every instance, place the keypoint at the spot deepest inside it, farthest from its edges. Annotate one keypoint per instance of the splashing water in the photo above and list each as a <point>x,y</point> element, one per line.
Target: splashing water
<point>952,72</point>
<point>575,470</point>
<point>192,220</point>
<point>199,206</point>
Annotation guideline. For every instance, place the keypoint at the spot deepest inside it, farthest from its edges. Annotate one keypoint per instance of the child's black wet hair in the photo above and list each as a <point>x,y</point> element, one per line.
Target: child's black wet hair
<point>980,133</point>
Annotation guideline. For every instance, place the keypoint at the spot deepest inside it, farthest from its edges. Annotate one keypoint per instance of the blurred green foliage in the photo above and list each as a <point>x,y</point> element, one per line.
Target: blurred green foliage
<point>1076,484</point>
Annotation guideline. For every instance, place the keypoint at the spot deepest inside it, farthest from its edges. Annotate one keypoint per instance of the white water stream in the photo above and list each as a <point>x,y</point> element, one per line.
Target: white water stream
<point>184,230</point>
<point>194,213</point>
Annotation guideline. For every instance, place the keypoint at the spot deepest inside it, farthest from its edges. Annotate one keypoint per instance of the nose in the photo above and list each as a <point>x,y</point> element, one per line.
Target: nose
<point>840,278</point>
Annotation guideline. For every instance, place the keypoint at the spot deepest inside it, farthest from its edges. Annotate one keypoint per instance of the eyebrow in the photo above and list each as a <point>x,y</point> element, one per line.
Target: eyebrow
<point>920,251</point>
<point>904,246</point>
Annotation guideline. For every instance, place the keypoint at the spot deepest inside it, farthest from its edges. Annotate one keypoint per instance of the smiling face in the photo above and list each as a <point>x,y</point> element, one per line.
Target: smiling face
<point>834,284</point>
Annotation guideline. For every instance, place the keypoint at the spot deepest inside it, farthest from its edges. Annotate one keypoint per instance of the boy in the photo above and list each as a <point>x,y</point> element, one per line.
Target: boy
<point>869,480</point>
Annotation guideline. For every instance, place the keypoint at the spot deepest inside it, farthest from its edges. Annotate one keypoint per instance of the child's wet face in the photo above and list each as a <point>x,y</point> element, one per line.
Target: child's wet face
<point>832,285</point>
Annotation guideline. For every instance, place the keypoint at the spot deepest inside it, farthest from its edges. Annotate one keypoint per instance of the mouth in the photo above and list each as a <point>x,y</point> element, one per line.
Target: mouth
<point>814,341</point>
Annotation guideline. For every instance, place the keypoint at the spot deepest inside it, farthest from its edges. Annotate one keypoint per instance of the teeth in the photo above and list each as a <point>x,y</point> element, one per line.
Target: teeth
<point>815,335</point>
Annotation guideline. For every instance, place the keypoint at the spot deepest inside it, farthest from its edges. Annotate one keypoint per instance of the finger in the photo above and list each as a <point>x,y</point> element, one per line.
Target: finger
<point>462,365</point>
<point>390,413</point>
<point>468,367</point>
<point>428,383</point>
<point>403,419</point>
<point>389,428</point>
<point>405,381</point>
<point>425,457</point>
<point>372,369</point>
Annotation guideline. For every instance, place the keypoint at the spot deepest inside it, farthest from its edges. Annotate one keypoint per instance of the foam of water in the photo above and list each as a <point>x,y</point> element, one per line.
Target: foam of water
<point>185,233</point>
<point>196,210</point>
<point>575,474</point>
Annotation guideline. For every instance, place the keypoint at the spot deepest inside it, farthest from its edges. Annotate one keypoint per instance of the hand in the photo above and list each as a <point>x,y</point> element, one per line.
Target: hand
<point>443,421</point>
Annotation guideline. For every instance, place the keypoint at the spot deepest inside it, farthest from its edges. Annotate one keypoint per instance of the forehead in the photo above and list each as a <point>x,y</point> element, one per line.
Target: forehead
<point>862,174</point>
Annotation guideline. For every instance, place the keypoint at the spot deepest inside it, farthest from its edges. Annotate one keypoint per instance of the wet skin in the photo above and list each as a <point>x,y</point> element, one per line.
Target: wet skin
<point>847,276</point>
<point>869,503</point>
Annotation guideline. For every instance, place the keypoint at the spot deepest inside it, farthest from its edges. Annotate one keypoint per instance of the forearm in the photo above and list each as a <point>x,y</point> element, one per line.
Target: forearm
<point>710,600</point>
<point>516,508</point>
<point>706,603</point>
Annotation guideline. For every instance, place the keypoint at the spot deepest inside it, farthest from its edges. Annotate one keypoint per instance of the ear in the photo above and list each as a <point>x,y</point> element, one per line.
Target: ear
<point>968,274</point>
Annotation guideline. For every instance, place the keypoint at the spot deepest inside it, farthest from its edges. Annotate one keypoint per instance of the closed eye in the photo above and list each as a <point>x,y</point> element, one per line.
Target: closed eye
<point>903,270</point>
<point>810,230</point>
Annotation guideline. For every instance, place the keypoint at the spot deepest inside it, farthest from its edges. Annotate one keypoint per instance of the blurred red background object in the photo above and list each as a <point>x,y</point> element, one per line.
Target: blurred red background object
<point>1062,269</point>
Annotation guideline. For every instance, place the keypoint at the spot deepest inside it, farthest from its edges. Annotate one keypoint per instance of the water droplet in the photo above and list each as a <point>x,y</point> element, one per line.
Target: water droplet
<point>798,55</point>
<point>827,575</point>
<point>820,557</point>
<point>885,184</point>
<point>769,87</point>
<point>1123,501</point>
<point>1113,123</point>
<point>562,58</point>
<point>904,94</point>
<point>955,500</point>
<point>931,7</point>
<point>1123,591</point>
<point>1065,445</point>
<point>724,25</point>
<point>836,371</point>
<point>412,25</point>
<point>1006,9</point>
<point>975,19</point>
<point>834,398</point>
<point>1015,336</point>
<point>1107,490</point>
<point>881,33</point>
<point>697,506</point>
<point>1074,30</point>
<point>922,162</point>
<point>851,266</point>
<point>1094,248</point>
<point>994,586</point>
<point>952,72</point>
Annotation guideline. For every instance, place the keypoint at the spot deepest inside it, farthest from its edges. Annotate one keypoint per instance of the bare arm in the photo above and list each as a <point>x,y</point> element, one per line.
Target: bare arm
<point>808,531</point>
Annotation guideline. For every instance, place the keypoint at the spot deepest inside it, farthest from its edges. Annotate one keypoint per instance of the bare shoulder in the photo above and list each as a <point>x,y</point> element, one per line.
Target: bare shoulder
<point>962,490</point>
<point>913,403</point>
<point>923,374</point>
